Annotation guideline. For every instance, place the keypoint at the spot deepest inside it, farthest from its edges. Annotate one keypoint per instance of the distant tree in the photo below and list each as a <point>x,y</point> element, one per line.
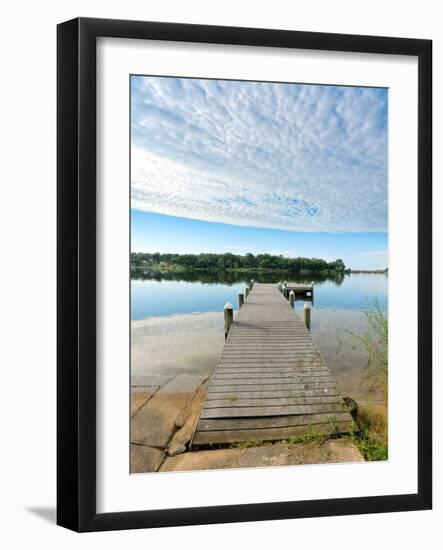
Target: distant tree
<point>229,261</point>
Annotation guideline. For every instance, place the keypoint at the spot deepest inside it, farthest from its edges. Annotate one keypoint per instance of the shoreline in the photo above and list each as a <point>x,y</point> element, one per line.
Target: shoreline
<point>171,371</point>
<point>163,419</point>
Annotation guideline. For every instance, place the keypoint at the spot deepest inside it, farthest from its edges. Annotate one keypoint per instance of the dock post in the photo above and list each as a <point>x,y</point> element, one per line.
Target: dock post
<point>241,299</point>
<point>292,298</point>
<point>252,283</point>
<point>279,286</point>
<point>246,292</point>
<point>229,317</point>
<point>307,315</point>
<point>285,290</point>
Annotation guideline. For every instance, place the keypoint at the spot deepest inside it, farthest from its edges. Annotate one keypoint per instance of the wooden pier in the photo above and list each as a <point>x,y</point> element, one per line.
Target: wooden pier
<point>271,381</point>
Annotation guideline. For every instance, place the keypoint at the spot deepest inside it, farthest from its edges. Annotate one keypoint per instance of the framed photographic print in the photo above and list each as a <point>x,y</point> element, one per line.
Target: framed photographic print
<point>244,274</point>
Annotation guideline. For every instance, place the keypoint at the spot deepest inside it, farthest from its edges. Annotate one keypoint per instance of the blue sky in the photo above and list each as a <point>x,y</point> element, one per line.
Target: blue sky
<point>259,167</point>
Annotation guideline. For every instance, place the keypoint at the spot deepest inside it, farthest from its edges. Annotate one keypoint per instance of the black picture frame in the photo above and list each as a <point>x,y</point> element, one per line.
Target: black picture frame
<point>76,280</point>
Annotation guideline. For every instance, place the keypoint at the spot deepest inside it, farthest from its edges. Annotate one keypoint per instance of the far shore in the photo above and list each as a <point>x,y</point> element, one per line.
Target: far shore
<point>364,271</point>
<point>279,273</point>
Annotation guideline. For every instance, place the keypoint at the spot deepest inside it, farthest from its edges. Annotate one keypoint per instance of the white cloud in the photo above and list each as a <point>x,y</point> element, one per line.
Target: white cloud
<point>306,158</point>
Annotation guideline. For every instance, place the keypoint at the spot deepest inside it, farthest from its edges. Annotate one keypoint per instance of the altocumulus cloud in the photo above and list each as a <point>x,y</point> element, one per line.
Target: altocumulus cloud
<point>297,157</point>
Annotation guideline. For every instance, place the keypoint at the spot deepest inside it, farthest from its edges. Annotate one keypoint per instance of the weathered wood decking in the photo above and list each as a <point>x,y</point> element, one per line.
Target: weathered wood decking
<point>271,381</point>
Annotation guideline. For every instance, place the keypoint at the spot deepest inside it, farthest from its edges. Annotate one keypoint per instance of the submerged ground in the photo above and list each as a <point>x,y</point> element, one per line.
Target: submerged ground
<point>172,360</point>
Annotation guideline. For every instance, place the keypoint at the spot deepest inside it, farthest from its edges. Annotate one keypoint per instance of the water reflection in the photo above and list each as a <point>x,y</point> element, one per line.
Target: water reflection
<point>191,343</point>
<point>177,322</point>
<point>234,277</point>
<point>166,346</point>
<point>203,292</point>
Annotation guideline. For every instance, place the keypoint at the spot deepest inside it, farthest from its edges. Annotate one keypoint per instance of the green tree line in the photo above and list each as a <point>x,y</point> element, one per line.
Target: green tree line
<point>229,261</point>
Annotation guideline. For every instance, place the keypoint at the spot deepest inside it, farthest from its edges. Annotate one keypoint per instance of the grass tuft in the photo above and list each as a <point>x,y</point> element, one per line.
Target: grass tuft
<point>372,417</point>
<point>376,344</point>
<point>372,439</point>
<point>311,435</point>
<point>371,449</point>
<point>247,444</point>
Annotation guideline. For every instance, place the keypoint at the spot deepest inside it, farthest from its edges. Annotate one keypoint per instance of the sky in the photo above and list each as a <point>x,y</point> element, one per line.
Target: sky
<point>234,166</point>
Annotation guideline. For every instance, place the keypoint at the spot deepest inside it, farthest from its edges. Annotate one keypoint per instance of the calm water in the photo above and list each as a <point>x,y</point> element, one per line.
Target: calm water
<point>153,297</point>
<point>177,323</point>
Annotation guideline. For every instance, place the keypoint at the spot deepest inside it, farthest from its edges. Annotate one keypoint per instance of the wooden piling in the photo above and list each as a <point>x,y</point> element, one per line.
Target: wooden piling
<point>246,292</point>
<point>241,299</point>
<point>292,298</point>
<point>252,283</point>
<point>229,317</point>
<point>307,315</point>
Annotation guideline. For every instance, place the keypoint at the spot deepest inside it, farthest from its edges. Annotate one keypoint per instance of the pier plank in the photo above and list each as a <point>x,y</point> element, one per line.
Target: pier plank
<point>269,381</point>
<point>271,422</point>
<point>237,412</point>
<point>261,387</point>
<point>269,394</point>
<point>271,402</point>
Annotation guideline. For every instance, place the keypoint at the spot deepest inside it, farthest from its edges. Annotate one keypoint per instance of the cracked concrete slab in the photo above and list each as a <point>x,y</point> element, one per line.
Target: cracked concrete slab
<point>145,459</point>
<point>187,422</point>
<point>141,397</point>
<point>154,423</point>
<point>279,454</point>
